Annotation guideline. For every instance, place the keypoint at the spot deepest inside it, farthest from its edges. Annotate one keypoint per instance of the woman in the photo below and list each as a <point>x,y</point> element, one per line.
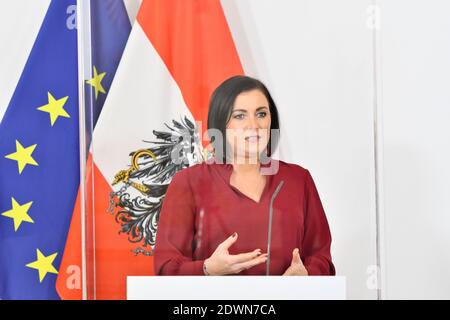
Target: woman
<point>238,214</point>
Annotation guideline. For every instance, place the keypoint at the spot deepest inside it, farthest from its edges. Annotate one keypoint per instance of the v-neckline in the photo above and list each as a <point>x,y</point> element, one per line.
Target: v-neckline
<point>226,169</point>
<point>261,196</point>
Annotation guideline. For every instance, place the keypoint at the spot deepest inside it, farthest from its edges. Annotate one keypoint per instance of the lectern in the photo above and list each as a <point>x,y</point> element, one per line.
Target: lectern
<point>235,288</point>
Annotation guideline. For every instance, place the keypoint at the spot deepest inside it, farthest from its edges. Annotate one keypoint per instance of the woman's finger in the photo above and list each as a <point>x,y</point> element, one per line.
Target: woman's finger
<point>243,257</point>
<point>250,264</point>
<point>229,241</point>
<point>296,257</point>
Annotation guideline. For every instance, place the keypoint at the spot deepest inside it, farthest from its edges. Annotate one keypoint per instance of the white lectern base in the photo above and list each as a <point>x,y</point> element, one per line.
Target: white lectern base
<point>235,288</point>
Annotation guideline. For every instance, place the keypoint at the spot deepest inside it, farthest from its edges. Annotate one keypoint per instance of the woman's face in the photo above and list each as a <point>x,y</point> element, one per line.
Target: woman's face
<point>248,130</point>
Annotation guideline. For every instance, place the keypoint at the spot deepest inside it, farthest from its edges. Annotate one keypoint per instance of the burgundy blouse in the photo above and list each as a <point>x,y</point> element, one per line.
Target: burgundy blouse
<point>201,209</point>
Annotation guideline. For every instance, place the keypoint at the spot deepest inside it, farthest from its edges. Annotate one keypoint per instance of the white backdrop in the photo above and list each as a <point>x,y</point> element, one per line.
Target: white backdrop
<point>319,58</point>
<point>19,25</point>
<point>414,54</point>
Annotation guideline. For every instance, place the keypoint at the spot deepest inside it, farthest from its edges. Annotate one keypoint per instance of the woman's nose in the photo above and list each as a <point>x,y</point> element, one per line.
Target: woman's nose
<point>252,123</point>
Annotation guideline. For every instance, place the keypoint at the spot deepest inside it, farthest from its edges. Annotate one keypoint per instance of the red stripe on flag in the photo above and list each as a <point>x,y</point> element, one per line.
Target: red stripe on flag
<point>114,259</point>
<point>195,42</point>
<point>69,282</point>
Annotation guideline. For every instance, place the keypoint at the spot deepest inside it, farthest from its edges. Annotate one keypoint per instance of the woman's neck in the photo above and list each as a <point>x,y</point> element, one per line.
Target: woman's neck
<point>245,166</point>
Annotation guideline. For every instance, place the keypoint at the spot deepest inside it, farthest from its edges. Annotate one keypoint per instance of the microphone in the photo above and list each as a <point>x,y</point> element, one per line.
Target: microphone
<point>269,235</point>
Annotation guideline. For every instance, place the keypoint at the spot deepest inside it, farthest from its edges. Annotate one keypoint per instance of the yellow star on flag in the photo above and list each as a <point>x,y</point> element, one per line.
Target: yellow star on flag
<point>96,82</point>
<point>43,264</point>
<point>19,213</point>
<point>55,108</point>
<point>23,156</point>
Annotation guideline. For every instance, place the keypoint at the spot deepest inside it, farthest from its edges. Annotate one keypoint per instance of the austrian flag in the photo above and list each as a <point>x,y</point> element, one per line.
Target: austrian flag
<point>178,52</point>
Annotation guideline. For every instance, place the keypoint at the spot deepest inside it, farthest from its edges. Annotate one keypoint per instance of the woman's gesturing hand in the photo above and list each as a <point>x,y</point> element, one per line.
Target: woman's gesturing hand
<point>222,262</point>
<point>296,268</point>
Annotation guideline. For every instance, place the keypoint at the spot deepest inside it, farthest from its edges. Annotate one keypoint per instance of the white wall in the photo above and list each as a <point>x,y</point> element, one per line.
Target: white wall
<point>414,65</point>
<point>19,25</point>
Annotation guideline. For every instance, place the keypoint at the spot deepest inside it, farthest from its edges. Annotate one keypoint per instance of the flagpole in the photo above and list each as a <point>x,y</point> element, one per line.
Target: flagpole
<point>91,282</point>
<point>82,19</point>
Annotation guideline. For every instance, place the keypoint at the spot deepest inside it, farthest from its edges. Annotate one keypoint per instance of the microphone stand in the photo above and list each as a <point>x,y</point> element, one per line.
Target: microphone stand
<point>269,236</point>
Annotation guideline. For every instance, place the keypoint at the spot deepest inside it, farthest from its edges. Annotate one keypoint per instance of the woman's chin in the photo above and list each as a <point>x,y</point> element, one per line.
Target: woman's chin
<point>250,156</point>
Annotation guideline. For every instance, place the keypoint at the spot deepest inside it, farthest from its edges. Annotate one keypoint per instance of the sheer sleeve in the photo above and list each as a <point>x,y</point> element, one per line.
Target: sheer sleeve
<point>315,249</point>
<point>173,253</point>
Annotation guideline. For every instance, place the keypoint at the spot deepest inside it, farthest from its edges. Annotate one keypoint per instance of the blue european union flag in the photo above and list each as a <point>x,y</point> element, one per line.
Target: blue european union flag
<point>39,161</point>
<point>39,147</point>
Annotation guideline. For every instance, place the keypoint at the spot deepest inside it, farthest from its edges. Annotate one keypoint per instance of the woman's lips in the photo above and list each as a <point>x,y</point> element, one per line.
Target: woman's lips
<point>252,139</point>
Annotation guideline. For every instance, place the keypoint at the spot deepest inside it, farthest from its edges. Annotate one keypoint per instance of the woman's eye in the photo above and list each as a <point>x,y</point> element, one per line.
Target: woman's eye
<point>239,116</point>
<point>261,114</point>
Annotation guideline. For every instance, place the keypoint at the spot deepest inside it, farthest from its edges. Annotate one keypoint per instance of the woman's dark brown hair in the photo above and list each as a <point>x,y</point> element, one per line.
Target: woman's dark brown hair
<point>221,107</point>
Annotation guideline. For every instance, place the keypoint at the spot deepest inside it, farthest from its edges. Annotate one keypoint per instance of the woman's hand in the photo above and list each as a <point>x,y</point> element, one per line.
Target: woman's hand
<point>222,262</point>
<point>296,268</point>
